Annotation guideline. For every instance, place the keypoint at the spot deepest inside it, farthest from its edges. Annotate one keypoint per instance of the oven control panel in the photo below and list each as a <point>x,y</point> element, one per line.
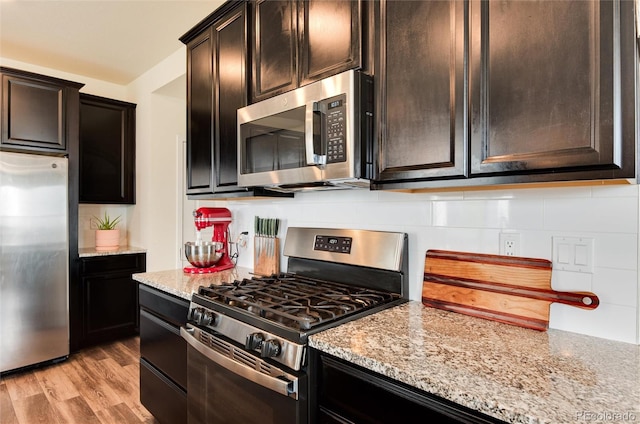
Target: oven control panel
<point>333,244</point>
<point>265,344</point>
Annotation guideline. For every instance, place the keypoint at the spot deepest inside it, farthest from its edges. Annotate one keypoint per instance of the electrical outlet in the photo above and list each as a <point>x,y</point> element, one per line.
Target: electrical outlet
<point>510,244</point>
<point>242,239</point>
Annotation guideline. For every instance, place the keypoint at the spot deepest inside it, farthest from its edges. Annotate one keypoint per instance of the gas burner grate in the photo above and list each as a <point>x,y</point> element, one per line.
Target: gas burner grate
<point>295,302</point>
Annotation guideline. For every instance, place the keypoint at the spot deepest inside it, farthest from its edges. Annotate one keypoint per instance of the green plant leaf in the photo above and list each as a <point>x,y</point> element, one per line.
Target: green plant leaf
<point>106,223</point>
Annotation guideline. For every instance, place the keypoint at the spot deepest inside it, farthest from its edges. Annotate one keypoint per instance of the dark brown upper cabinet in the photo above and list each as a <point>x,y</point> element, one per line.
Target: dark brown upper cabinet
<point>295,43</point>
<point>39,113</point>
<point>550,84</point>
<point>216,88</point>
<point>274,48</point>
<point>230,94</point>
<point>420,86</point>
<point>200,114</point>
<point>548,94</point>
<point>107,150</point>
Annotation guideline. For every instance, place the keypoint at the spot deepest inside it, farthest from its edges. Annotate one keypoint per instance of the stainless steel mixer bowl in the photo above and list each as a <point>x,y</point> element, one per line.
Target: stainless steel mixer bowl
<point>204,254</point>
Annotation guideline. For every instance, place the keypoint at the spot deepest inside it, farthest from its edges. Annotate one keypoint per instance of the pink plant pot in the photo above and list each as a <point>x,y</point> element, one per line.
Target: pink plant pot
<point>107,239</point>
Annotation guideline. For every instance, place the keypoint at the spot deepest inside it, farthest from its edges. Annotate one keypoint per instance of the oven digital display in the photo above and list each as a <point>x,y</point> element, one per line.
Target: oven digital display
<point>333,244</point>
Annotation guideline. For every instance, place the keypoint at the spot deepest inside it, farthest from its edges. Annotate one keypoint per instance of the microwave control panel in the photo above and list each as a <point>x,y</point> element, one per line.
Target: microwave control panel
<point>336,114</point>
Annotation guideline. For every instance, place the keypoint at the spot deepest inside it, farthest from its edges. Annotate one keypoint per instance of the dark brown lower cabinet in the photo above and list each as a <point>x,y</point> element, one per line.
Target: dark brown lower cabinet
<point>109,297</point>
<point>348,393</point>
<point>161,396</point>
<point>163,355</point>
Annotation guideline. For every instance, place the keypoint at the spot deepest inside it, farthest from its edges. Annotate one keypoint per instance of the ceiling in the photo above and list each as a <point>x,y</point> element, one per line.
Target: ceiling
<point>109,40</point>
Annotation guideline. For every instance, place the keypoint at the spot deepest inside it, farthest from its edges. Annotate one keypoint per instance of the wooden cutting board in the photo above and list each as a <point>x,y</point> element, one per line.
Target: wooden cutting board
<point>509,289</point>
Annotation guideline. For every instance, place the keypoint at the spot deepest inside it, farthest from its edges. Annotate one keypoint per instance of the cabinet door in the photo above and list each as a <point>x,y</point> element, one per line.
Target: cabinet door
<point>229,72</point>
<point>110,307</point>
<point>200,114</point>
<point>107,150</point>
<point>544,89</point>
<point>420,86</point>
<point>109,297</point>
<point>33,114</point>
<point>274,48</point>
<point>331,34</point>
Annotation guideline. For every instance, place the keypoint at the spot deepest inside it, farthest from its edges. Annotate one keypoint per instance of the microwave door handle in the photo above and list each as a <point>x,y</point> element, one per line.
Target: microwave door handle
<point>315,135</point>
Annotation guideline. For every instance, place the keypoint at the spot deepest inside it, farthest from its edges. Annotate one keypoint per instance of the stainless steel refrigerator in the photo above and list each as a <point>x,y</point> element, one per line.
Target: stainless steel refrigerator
<point>34,264</point>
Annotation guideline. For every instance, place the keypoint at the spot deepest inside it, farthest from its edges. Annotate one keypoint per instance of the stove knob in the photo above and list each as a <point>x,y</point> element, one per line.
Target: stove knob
<point>196,314</point>
<point>270,349</point>
<point>207,318</point>
<point>254,341</point>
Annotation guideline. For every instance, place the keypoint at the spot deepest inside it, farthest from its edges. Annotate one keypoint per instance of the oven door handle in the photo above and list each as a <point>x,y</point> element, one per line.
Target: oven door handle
<point>287,385</point>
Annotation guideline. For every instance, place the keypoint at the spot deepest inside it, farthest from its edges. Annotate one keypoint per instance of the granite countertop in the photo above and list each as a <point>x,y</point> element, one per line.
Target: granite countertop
<point>183,285</point>
<point>511,373</point>
<point>88,252</point>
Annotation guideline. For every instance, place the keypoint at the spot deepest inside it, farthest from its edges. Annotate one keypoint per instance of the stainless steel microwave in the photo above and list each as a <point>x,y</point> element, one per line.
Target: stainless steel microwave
<point>316,137</point>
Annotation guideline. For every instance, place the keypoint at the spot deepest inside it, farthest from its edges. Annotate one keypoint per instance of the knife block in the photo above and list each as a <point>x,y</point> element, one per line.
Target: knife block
<point>266,255</point>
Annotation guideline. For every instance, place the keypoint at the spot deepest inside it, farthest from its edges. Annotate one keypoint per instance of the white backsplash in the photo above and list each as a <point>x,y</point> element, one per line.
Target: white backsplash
<point>472,221</point>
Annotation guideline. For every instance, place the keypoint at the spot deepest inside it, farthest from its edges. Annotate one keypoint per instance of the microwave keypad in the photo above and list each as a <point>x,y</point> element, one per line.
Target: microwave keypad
<point>336,134</point>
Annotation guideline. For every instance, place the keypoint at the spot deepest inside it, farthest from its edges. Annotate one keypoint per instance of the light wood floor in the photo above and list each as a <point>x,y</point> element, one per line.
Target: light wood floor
<point>98,385</point>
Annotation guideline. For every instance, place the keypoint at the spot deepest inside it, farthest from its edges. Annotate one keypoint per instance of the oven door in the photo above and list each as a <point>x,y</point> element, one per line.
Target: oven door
<point>226,384</point>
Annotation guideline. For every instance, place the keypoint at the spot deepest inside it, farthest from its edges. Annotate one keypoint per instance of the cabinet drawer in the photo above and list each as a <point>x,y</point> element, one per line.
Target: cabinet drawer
<point>161,397</point>
<point>171,308</point>
<point>113,263</point>
<point>161,345</point>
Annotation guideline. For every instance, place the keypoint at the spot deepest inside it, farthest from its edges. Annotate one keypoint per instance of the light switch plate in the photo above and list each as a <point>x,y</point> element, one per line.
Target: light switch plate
<point>573,254</point>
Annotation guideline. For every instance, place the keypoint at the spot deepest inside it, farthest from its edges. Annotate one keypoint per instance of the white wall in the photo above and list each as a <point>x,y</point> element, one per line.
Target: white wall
<point>472,221</point>
<point>91,86</point>
<point>461,220</point>
<point>161,128</point>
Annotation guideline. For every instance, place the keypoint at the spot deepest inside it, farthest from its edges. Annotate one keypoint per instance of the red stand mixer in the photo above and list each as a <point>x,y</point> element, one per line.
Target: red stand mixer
<point>208,257</point>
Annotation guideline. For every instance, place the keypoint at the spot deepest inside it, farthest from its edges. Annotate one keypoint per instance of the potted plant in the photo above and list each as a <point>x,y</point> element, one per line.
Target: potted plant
<point>107,235</point>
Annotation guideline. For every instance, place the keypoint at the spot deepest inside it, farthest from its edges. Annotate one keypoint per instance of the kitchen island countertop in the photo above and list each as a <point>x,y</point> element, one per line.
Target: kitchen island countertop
<point>183,285</point>
<point>511,373</point>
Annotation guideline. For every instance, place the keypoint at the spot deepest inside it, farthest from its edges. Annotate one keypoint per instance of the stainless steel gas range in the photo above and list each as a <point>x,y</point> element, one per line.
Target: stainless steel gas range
<point>247,340</point>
